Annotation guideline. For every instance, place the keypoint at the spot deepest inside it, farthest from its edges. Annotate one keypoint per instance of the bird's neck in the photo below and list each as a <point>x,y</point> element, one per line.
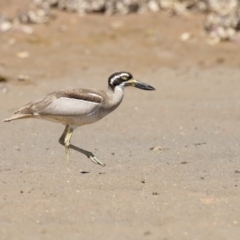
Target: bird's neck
<point>115,96</point>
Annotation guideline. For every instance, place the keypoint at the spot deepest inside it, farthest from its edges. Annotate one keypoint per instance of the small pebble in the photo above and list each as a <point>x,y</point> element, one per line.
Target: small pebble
<point>23,54</point>
<point>5,26</point>
<point>22,77</point>
<point>186,36</point>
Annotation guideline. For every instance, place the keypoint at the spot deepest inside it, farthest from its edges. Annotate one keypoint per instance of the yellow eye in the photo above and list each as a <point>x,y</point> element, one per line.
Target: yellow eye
<point>124,78</point>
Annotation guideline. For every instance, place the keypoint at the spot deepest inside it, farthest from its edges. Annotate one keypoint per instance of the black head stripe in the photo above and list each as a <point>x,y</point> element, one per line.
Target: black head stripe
<point>118,78</point>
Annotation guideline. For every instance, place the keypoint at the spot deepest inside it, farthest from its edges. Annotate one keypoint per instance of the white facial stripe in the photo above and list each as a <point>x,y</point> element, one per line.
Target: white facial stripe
<point>119,76</point>
<point>123,74</point>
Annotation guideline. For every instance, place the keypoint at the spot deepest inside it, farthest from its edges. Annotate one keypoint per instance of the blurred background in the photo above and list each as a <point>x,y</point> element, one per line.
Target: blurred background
<point>37,35</point>
<point>172,155</point>
<point>117,31</point>
<point>132,34</point>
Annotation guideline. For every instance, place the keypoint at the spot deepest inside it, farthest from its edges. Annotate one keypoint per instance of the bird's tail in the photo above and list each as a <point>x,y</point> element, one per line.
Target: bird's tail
<point>17,116</point>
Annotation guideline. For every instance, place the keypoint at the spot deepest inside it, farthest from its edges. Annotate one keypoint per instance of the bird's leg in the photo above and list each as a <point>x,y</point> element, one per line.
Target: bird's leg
<point>88,154</point>
<point>65,140</point>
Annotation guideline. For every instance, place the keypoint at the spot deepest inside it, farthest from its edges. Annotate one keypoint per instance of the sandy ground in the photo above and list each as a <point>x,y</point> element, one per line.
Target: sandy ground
<point>187,187</point>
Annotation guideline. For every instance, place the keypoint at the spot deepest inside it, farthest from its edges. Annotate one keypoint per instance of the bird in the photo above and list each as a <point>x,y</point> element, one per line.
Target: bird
<point>75,107</point>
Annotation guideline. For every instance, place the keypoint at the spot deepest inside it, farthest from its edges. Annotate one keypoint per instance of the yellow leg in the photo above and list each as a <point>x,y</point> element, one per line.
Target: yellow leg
<point>65,140</point>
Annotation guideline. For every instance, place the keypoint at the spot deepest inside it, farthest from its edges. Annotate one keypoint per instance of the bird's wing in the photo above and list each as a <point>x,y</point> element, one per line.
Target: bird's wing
<point>70,102</point>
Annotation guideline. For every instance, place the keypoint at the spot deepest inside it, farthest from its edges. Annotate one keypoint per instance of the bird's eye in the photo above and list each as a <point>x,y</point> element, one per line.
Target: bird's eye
<point>124,78</point>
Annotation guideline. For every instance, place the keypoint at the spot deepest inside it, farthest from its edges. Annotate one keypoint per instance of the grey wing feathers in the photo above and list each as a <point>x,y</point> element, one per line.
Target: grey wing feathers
<point>34,106</point>
<point>69,102</point>
<point>28,110</point>
<point>73,103</point>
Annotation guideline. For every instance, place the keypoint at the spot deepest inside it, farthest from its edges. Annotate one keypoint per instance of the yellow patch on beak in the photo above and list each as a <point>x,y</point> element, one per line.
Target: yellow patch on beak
<point>131,82</point>
<point>135,83</point>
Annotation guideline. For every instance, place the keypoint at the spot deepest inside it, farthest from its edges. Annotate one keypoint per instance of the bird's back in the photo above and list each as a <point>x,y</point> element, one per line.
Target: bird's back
<point>70,106</point>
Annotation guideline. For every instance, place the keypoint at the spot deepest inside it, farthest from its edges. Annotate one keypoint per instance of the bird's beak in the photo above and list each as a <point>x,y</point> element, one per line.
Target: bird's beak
<point>135,83</point>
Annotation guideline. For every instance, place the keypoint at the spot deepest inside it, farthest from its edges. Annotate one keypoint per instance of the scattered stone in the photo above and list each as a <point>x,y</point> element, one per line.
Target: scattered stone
<point>199,144</point>
<point>37,16</point>
<point>23,54</point>
<point>22,78</point>
<point>83,172</point>
<point>222,21</point>
<point>5,26</point>
<point>3,78</point>
<point>153,6</point>
<point>184,162</point>
<point>17,148</point>
<point>158,148</point>
<point>3,89</point>
<point>186,36</point>
<point>147,233</point>
<point>27,29</point>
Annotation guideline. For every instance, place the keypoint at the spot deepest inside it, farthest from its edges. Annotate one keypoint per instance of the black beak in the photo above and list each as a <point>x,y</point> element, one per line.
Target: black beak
<point>138,84</point>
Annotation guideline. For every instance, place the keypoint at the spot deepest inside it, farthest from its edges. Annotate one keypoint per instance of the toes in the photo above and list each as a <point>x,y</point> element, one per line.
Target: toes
<point>93,160</point>
<point>96,161</point>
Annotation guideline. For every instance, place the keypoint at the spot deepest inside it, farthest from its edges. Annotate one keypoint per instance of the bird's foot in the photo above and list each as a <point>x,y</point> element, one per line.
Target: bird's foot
<point>88,154</point>
<point>95,160</point>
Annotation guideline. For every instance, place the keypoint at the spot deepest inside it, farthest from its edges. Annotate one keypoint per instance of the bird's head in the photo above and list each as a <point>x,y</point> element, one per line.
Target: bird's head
<point>124,79</point>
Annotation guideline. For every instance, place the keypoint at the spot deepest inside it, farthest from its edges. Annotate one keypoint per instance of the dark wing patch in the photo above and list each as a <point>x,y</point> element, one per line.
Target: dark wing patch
<point>82,96</point>
<point>39,105</point>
